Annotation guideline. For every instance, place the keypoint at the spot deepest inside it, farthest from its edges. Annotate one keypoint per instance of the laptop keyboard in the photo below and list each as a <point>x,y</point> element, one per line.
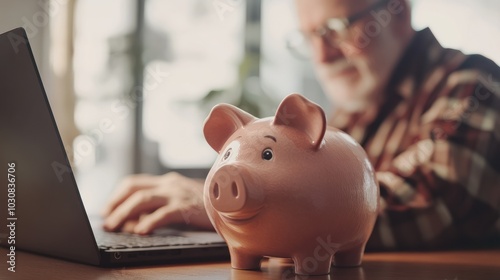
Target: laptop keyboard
<point>118,240</point>
<point>108,240</point>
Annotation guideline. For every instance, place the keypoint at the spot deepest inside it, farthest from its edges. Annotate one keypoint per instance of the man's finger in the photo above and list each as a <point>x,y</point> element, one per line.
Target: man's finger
<point>129,226</point>
<point>136,204</point>
<point>169,214</point>
<point>128,187</point>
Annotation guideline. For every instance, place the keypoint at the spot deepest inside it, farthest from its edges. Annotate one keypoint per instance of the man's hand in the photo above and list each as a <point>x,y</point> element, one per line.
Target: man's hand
<point>142,203</point>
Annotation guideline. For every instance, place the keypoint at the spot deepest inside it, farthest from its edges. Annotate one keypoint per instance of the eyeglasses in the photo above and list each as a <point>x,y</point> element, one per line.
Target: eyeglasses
<point>333,32</point>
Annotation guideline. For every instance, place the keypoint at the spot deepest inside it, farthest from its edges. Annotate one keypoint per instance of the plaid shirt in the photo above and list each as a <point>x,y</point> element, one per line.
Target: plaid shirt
<point>435,144</point>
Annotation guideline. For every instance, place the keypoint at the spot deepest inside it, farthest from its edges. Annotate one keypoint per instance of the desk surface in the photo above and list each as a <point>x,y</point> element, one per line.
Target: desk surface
<point>450,265</point>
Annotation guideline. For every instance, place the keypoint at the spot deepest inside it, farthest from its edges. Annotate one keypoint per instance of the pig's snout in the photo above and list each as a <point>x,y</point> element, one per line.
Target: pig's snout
<point>227,189</point>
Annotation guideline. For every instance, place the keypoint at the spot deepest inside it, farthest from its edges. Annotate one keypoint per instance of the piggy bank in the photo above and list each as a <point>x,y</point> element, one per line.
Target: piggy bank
<point>289,186</point>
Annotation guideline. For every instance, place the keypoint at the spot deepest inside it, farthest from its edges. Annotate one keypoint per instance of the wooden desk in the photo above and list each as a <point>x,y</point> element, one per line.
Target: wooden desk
<point>451,265</point>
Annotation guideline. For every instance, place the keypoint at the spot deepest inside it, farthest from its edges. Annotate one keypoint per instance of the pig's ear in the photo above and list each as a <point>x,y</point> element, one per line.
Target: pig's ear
<point>298,112</point>
<point>222,122</point>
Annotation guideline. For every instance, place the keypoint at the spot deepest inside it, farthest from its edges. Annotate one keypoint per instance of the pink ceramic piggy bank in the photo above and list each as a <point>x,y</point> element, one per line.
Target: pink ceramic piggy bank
<point>288,186</point>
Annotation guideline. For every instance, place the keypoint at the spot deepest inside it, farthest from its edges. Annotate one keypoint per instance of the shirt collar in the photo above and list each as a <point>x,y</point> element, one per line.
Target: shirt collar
<point>415,63</point>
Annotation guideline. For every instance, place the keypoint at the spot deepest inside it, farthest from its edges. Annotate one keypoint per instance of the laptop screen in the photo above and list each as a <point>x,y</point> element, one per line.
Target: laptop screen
<point>46,211</point>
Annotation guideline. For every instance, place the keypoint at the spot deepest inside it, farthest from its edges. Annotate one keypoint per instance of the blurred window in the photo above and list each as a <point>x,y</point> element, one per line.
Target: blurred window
<point>470,26</point>
<point>191,48</point>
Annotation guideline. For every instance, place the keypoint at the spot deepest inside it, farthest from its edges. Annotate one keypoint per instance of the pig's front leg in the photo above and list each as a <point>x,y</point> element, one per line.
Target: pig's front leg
<point>351,257</point>
<point>240,260</point>
<point>312,264</point>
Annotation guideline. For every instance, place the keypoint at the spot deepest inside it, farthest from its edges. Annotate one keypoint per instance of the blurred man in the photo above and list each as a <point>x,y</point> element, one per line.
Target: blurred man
<point>427,117</point>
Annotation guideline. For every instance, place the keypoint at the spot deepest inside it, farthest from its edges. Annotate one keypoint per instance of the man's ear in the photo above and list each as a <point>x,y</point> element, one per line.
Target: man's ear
<point>297,112</point>
<point>222,122</point>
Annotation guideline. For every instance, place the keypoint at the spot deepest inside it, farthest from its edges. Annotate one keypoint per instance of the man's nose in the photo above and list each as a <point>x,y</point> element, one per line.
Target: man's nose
<point>324,52</point>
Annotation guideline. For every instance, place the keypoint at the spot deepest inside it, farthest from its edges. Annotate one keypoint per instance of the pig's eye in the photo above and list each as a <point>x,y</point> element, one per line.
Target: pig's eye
<point>267,154</point>
<point>227,154</point>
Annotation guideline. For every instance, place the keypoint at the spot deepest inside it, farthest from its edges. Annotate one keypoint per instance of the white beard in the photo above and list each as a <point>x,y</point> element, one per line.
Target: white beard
<point>349,92</point>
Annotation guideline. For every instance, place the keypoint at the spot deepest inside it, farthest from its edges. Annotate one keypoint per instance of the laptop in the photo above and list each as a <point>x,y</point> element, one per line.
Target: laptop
<point>40,200</point>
